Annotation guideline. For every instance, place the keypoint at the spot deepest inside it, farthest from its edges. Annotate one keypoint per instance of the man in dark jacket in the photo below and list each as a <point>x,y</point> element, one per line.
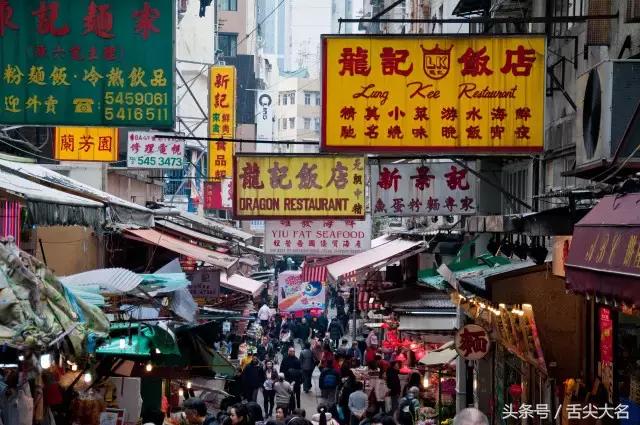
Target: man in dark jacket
<point>328,383</point>
<point>393,383</point>
<point>292,370</point>
<point>195,411</point>
<point>335,332</point>
<point>304,330</point>
<point>251,380</point>
<point>307,364</point>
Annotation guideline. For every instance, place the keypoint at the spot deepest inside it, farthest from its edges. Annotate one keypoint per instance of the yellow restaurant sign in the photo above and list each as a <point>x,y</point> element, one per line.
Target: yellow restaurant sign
<point>309,186</point>
<point>222,120</point>
<point>86,144</point>
<point>439,94</point>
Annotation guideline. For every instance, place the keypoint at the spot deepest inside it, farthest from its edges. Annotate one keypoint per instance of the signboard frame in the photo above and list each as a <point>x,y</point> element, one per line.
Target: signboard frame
<point>474,150</point>
<point>165,137</point>
<point>115,135</point>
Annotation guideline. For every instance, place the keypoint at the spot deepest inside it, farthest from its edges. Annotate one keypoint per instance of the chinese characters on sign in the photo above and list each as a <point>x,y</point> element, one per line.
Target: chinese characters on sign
<point>107,63</point>
<point>480,94</point>
<point>472,342</point>
<point>222,120</point>
<point>294,294</point>
<point>429,188</point>
<point>146,150</point>
<point>317,237</point>
<point>309,186</point>
<point>86,144</point>
<point>218,195</point>
<point>205,283</point>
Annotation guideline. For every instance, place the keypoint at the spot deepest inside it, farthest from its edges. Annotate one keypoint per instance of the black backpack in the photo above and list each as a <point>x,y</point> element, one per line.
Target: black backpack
<point>406,411</point>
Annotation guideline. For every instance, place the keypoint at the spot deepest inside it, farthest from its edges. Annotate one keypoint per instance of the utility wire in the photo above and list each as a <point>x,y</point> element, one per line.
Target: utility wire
<point>260,23</point>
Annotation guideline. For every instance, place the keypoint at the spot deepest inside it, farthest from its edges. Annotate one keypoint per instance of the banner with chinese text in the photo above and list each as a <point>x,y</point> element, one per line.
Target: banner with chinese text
<point>479,94</point>
<point>317,237</point>
<point>147,150</point>
<point>218,195</point>
<point>222,120</point>
<point>295,295</point>
<point>86,144</point>
<point>428,188</point>
<point>108,63</point>
<point>301,186</point>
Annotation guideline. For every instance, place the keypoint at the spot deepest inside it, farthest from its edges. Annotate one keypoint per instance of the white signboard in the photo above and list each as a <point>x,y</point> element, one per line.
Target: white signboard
<point>146,150</point>
<point>264,116</point>
<point>317,237</point>
<point>428,188</point>
<point>227,193</point>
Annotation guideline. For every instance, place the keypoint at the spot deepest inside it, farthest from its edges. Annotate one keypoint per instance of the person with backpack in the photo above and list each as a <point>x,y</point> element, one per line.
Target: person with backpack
<point>328,383</point>
<point>408,407</point>
<point>358,403</point>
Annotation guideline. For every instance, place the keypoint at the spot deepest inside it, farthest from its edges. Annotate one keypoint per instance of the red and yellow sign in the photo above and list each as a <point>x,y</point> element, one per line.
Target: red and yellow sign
<point>302,186</point>
<point>222,120</point>
<point>442,94</point>
<point>86,144</point>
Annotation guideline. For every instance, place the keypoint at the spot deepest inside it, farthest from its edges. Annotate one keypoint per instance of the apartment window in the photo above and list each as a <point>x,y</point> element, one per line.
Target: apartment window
<point>284,99</point>
<point>292,123</point>
<point>292,98</point>
<point>231,5</point>
<point>228,44</point>
<point>316,124</point>
<point>318,98</point>
<point>307,98</point>
<point>307,123</point>
<point>284,123</point>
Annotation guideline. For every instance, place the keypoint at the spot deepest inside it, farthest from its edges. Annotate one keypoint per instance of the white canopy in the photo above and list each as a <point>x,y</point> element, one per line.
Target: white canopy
<point>442,355</point>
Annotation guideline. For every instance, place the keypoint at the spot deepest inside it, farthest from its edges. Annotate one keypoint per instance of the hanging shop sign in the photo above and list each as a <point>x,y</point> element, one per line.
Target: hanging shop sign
<point>480,94</point>
<point>264,116</point>
<point>205,283</point>
<point>147,150</point>
<point>561,245</point>
<point>433,188</point>
<point>301,186</point>
<point>222,120</point>
<point>317,237</point>
<point>98,144</point>
<point>86,64</point>
<point>472,342</point>
<point>218,195</point>
<point>294,294</point>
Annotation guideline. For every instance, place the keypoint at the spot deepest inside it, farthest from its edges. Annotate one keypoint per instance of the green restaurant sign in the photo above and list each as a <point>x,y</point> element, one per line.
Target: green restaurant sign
<point>87,63</point>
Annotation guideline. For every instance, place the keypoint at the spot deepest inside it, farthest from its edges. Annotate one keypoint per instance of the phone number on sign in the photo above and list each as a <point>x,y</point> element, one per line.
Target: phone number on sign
<point>136,106</point>
<point>151,161</point>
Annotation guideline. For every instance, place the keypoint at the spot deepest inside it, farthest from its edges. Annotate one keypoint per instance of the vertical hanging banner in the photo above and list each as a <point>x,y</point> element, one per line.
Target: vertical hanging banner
<point>430,188</point>
<point>86,63</point>
<point>479,94</point>
<point>264,116</point>
<point>218,195</point>
<point>222,120</point>
<point>86,144</point>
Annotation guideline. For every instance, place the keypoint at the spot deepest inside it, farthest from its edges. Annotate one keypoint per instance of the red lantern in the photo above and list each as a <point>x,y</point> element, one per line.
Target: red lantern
<point>515,391</point>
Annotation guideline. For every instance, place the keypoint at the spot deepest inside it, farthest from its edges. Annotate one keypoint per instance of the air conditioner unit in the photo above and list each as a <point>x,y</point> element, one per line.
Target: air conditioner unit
<point>607,96</point>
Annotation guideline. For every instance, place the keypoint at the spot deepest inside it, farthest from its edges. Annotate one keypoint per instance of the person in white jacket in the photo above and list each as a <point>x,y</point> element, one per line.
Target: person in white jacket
<point>318,419</point>
<point>264,315</point>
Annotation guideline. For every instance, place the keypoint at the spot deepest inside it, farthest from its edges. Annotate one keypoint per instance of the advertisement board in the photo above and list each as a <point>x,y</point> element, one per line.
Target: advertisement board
<point>480,94</point>
<point>264,116</point>
<point>426,188</point>
<point>222,120</point>
<point>317,237</point>
<point>146,150</point>
<point>218,195</point>
<point>295,295</point>
<point>86,144</point>
<point>76,63</point>
<point>298,186</point>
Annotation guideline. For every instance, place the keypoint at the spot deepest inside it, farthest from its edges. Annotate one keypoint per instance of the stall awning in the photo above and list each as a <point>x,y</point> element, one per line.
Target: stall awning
<point>374,258</point>
<point>604,257</point>
<point>120,210</point>
<point>428,323</point>
<point>217,226</point>
<point>442,355</point>
<point>49,206</point>
<point>241,284</point>
<point>189,233</point>
<point>180,247</point>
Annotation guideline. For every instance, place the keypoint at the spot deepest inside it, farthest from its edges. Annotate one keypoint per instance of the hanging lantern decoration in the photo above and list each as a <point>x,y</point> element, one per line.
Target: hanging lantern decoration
<point>515,392</point>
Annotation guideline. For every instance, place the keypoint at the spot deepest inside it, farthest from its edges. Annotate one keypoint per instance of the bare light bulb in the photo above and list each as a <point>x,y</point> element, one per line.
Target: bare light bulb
<point>74,367</point>
<point>87,377</point>
<point>21,358</point>
<point>188,385</point>
<point>181,392</point>
<point>148,367</point>
<point>123,343</point>
<point>45,361</point>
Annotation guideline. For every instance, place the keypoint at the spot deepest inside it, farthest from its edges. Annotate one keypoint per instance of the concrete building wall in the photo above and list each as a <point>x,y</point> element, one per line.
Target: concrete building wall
<point>134,187</point>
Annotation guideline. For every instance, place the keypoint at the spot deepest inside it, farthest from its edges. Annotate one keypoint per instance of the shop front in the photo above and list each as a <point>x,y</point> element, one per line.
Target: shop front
<point>604,266</point>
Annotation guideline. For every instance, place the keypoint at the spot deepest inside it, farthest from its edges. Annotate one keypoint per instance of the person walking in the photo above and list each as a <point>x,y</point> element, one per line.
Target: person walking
<point>264,315</point>
<point>393,383</point>
<point>327,358</point>
<point>335,332</point>
<point>328,383</point>
<point>268,392</point>
<point>251,380</point>
<point>355,353</point>
<point>265,349</point>
<point>358,403</point>
<point>283,391</point>
<point>307,364</point>
<point>304,331</point>
<point>346,389</point>
<point>195,411</point>
<point>292,370</point>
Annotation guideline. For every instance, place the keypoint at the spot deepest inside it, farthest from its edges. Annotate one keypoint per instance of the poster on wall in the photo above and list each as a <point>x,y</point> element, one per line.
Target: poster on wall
<point>429,188</point>
<point>294,294</point>
<point>480,94</point>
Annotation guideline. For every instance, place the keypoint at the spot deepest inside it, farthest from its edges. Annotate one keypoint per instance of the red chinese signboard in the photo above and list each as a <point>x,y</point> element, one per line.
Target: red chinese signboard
<point>472,342</point>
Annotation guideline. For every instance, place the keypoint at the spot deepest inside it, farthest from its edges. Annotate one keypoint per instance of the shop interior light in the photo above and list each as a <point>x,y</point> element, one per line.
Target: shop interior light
<point>482,306</point>
<point>502,305</point>
<point>74,367</point>
<point>517,312</point>
<point>188,385</point>
<point>87,377</point>
<point>45,361</point>
<point>425,380</point>
<point>21,357</point>
<point>181,392</point>
<point>528,306</point>
<point>123,343</point>
<point>157,351</point>
<point>148,367</point>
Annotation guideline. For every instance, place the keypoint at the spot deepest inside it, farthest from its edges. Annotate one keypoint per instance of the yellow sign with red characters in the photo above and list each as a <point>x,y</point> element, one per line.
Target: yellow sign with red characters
<point>222,120</point>
<point>481,94</point>
<point>98,144</point>
<point>299,186</point>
